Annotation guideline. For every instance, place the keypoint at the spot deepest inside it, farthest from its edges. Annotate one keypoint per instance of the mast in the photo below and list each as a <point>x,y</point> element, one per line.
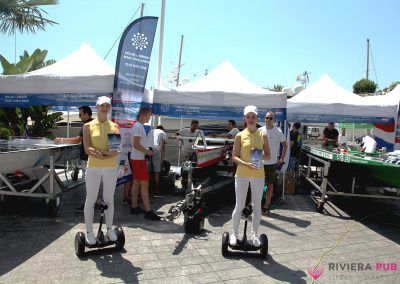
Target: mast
<point>179,62</point>
<point>367,59</point>
<point>160,50</point>
<point>141,9</point>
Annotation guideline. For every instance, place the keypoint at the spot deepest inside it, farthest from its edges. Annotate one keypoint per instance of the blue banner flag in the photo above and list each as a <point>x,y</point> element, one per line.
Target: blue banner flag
<point>131,69</point>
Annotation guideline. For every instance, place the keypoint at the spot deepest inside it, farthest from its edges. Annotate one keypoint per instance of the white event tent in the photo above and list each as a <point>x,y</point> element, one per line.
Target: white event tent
<point>326,101</point>
<point>73,81</point>
<point>222,94</point>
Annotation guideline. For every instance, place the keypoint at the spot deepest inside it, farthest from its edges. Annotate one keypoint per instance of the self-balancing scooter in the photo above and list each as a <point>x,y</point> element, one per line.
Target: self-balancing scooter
<point>101,239</point>
<point>242,244</point>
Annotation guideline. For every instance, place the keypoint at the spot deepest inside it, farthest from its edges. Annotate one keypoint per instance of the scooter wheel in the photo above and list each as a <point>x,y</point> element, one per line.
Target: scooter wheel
<point>264,245</point>
<point>225,241</point>
<point>80,244</point>
<point>120,238</point>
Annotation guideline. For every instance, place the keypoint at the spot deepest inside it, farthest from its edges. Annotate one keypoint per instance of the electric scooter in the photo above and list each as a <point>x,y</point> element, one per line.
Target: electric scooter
<point>242,244</point>
<point>101,239</point>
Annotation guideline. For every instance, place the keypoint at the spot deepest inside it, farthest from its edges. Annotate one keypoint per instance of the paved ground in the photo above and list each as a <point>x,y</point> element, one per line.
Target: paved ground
<point>35,248</point>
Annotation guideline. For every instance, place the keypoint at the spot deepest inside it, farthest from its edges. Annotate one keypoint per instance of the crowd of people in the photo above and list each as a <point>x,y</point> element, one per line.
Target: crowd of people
<point>100,164</point>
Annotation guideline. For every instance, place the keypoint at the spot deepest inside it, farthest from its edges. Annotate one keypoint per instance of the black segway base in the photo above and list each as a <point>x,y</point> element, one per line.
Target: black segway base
<point>244,246</point>
<point>101,240</point>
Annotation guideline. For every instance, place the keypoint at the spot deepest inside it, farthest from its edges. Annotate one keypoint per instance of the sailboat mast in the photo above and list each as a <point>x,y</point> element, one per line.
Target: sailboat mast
<point>141,9</point>
<point>179,62</point>
<point>367,59</point>
<point>160,49</point>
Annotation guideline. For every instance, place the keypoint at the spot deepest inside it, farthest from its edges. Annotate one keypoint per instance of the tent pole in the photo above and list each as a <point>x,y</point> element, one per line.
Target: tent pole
<point>68,123</point>
<point>179,147</point>
<point>286,132</point>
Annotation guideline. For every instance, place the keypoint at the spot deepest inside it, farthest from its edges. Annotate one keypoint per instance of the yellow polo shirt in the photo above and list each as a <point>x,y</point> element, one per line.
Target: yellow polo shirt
<point>99,139</point>
<point>248,141</point>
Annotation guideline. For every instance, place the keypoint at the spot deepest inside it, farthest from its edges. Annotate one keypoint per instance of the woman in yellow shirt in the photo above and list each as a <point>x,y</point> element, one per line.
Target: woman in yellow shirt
<point>102,166</point>
<point>249,172</point>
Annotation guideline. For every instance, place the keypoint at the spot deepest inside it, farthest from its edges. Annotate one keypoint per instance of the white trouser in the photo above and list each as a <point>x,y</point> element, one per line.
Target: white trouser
<point>241,186</point>
<point>93,178</point>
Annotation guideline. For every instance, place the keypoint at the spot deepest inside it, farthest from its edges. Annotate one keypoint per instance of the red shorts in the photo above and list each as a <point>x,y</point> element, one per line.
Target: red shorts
<point>139,170</point>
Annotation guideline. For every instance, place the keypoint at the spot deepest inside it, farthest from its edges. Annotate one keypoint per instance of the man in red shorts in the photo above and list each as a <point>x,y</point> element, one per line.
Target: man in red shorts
<point>140,173</point>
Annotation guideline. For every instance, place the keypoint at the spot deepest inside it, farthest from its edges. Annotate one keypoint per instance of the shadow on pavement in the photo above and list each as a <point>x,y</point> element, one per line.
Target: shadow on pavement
<point>298,222</point>
<point>381,216</point>
<point>270,267</point>
<point>113,265</point>
<point>182,244</point>
<point>26,229</point>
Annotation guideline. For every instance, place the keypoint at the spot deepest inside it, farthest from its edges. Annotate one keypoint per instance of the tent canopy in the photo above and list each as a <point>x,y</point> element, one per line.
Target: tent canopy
<point>77,79</point>
<point>222,93</point>
<point>389,99</point>
<point>326,101</point>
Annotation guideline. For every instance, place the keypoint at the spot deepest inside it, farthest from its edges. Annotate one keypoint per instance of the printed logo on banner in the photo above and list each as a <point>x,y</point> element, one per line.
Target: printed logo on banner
<point>164,108</point>
<point>139,41</point>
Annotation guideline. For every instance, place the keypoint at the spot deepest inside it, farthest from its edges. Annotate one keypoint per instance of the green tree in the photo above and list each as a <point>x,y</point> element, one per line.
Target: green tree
<point>24,15</point>
<point>14,120</point>
<point>364,86</point>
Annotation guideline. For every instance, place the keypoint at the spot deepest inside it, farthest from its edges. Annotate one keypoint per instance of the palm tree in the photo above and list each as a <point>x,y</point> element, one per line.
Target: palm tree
<point>23,15</point>
<point>275,88</point>
<point>13,121</point>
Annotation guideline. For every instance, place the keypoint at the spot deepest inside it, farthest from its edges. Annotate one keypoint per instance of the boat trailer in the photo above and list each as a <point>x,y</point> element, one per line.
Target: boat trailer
<point>209,169</point>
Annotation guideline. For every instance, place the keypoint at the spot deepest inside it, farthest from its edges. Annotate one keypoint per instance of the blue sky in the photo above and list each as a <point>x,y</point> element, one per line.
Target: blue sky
<point>268,41</point>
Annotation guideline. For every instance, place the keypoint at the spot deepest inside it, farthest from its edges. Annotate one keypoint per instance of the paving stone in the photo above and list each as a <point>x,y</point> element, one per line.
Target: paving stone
<point>183,270</point>
<point>163,253</point>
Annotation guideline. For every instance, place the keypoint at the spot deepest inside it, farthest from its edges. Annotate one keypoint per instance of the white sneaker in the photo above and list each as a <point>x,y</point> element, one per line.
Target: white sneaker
<point>111,235</point>
<point>232,239</point>
<point>256,241</point>
<point>90,239</point>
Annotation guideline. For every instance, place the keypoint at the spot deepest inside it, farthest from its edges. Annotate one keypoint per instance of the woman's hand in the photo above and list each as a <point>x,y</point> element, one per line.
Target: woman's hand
<point>96,153</point>
<point>251,166</point>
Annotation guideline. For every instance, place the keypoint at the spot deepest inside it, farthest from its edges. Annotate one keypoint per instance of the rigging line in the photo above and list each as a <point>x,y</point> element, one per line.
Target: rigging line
<point>373,63</point>
<point>349,228</point>
<point>121,34</point>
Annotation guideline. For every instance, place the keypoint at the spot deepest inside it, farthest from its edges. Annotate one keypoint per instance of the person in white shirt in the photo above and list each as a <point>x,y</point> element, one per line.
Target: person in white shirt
<point>140,173</point>
<point>275,140</point>
<point>158,140</point>
<point>232,130</point>
<point>186,144</point>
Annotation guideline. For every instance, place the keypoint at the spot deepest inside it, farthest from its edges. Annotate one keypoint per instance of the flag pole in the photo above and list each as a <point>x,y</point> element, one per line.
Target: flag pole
<point>160,49</point>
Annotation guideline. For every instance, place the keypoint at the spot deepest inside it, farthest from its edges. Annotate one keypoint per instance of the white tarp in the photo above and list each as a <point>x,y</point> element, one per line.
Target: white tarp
<point>222,94</point>
<point>326,101</point>
<point>83,73</point>
<point>387,135</point>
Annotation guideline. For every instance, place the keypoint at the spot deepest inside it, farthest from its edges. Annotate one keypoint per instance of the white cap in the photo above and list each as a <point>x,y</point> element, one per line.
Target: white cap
<point>103,100</point>
<point>252,109</point>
